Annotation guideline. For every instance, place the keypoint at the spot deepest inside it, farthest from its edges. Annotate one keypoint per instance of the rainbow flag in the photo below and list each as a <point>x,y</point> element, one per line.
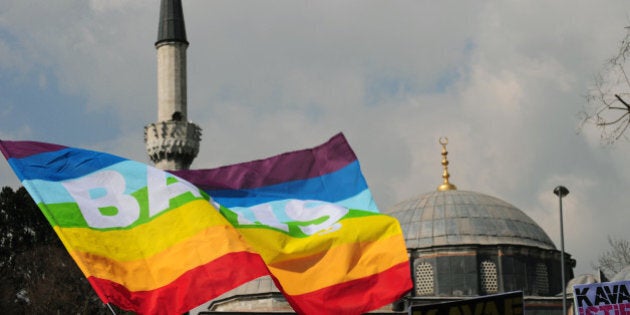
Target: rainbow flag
<point>146,240</point>
<point>312,218</point>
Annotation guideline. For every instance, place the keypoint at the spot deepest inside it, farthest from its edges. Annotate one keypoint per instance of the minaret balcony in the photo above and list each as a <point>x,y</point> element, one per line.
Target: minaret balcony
<point>172,144</point>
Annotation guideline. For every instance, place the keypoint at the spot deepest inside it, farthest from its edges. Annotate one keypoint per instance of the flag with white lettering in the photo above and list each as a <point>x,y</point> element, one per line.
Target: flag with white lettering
<point>610,298</point>
<point>311,216</point>
<point>146,240</point>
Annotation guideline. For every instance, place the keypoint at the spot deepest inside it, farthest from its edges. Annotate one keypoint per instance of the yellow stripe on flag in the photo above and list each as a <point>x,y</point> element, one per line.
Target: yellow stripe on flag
<point>275,246</point>
<point>161,269</point>
<point>148,239</point>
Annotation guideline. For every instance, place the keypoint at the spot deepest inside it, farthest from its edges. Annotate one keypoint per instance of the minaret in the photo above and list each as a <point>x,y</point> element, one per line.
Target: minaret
<point>446,185</point>
<point>172,142</point>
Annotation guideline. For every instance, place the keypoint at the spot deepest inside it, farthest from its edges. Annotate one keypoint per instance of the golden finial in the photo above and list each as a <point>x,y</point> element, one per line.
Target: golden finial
<point>445,185</point>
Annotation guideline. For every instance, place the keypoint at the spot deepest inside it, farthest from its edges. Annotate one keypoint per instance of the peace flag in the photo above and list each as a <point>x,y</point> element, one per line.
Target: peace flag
<point>146,240</point>
<point>311,216</point>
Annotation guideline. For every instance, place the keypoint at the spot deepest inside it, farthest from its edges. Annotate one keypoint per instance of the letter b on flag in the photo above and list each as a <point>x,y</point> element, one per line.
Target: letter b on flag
<point>102,192</point>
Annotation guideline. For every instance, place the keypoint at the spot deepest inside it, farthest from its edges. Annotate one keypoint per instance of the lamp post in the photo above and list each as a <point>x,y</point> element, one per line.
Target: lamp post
<point>562,191</point>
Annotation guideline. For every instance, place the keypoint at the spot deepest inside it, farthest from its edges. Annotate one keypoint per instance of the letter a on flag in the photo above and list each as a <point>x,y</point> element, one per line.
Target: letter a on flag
<point>146,240</point>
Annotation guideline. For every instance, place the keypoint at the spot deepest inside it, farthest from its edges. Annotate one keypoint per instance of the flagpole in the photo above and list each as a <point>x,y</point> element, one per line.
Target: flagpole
<point>110,308</point>
<point>562,191</point>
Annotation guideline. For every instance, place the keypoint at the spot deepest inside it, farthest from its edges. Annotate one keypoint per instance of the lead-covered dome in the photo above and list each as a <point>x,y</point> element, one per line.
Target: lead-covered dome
<point>454,217</point>
<point>464,244</point>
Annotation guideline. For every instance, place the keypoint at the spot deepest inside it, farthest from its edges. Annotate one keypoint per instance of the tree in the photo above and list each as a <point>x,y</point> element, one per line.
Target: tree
<point>616,258</point>
<point>37,275</point>
<point>609,99</point>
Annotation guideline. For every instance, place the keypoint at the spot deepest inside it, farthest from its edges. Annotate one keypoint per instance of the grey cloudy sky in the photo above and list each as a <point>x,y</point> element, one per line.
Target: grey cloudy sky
<point>503,80</point>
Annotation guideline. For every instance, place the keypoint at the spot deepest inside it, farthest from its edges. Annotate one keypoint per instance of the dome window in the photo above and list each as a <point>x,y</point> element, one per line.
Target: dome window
<point>424,279</point>
<point>488,277</point>
<point>542,279</point>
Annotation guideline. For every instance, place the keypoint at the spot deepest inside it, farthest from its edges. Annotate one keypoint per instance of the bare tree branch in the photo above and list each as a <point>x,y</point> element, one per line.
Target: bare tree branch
<point>605,123</point>
<point>616,258</point>
<point>622,101</point>
<point>607,107</point>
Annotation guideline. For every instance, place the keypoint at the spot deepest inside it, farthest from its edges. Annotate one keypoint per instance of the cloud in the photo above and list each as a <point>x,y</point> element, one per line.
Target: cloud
<point>502,80</point>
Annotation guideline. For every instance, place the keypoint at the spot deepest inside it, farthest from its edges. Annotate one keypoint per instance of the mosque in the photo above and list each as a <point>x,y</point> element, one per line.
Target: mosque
<point>461,244</point>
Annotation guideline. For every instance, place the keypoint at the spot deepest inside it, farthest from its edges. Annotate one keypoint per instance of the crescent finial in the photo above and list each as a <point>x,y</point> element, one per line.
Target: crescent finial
<point>443,140</point>
<point>446,185</point>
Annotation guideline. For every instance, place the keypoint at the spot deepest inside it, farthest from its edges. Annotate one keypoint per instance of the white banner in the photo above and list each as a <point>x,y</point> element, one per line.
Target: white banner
<point>608,298</point>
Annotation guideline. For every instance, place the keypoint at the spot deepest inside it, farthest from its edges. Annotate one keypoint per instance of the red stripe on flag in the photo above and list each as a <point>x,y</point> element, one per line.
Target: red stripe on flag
<point>356,296</point>
<point>191,289</point>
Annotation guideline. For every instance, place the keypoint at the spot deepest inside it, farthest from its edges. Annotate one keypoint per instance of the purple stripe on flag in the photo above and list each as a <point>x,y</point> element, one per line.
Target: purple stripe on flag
<point>297,165</point>
<point>20,149</point>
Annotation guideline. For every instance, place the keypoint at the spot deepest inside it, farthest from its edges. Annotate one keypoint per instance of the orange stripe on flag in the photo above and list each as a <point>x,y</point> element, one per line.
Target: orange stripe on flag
<point>161,269</point>
<point>357,296</point>
<point>187,291</point>
<point>339,264</point>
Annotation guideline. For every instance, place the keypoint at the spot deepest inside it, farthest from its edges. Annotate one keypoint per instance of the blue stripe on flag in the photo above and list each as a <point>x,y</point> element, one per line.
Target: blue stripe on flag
<point>332,187</point>
<point>63,164</point>
<point>51,192</point>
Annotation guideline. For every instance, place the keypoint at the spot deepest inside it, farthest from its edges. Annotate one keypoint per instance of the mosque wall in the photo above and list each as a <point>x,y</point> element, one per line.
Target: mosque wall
<point>463,271</point>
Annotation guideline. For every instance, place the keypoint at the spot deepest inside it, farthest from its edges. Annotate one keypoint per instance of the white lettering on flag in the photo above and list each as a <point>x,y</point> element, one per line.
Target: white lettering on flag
<point>298,212</point>
<point>264,214</point>
<point>102,200</point>
<point>160,193</point>
<point>301,210</point>
<point>103,190</point>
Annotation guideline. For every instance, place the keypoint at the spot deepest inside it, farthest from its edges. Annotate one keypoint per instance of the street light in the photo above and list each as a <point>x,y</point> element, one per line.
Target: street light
<point>562,191</point>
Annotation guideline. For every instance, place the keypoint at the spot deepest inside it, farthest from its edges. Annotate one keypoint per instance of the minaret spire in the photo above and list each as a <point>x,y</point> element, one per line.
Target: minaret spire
<point>171,27</point>
<point>446,185</point>
<point>172,142</point>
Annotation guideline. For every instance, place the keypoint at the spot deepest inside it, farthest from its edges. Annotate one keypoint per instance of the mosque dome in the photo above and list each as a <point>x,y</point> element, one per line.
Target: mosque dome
<point>449,217</point>
<point>454,217</point>
<point>262,290</point>
<point>465,243</point>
